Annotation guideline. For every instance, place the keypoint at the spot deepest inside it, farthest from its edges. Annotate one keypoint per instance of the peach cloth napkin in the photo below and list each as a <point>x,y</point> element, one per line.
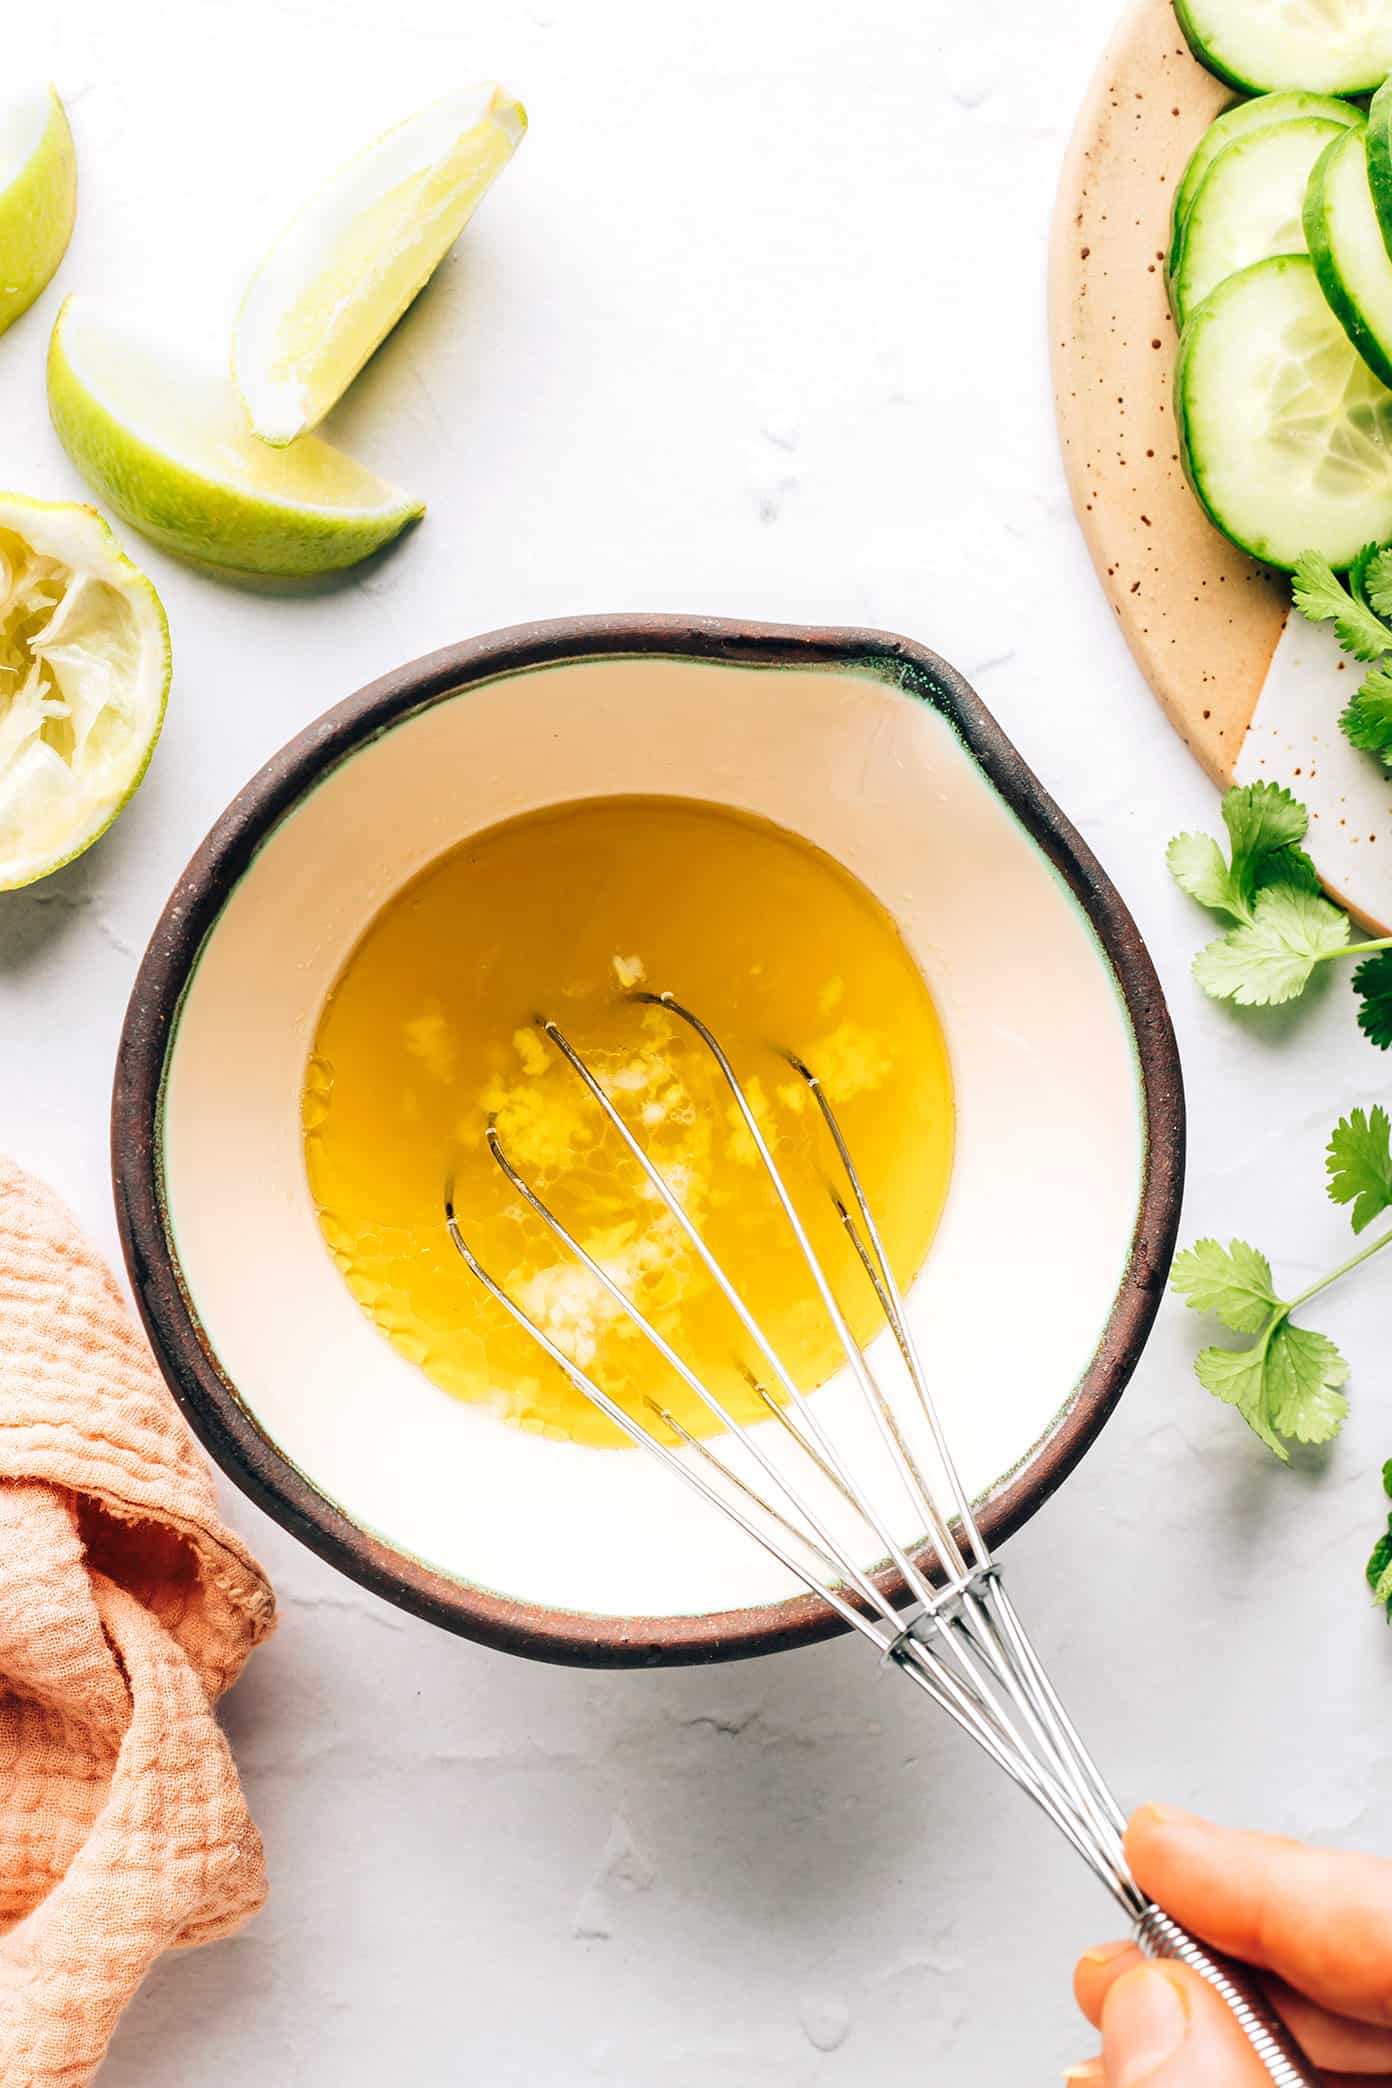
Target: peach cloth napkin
<point>125,1611</point>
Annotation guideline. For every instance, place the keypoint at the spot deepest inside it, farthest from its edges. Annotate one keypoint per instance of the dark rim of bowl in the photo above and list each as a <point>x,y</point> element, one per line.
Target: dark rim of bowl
<point>183,1350</point>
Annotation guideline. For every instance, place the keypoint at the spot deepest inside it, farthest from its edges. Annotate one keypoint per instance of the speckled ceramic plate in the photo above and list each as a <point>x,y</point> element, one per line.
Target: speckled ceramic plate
<point>1052,1253</point>
<point>1254,691</point>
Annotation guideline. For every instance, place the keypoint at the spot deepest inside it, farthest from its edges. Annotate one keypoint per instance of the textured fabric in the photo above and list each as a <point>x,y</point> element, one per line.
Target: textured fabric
<point>126,1609</point>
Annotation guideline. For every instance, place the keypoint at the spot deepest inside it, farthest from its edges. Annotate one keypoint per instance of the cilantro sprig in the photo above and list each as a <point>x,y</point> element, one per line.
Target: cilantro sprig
<point>1281,927</point>
<point>1380,1564</point>
<point>1286,1383</point>
<point>1360,613</point>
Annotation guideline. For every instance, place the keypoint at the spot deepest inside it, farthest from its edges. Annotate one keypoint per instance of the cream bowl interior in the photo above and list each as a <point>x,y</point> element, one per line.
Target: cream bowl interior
<point>1034,1244</point>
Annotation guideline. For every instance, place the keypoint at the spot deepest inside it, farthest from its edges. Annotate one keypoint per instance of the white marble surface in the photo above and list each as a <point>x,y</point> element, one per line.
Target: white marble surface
<point>753,325</point>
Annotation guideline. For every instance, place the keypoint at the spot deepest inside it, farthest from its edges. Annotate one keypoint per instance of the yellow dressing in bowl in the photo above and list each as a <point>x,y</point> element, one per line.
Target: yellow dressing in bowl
<point>430,1033</point>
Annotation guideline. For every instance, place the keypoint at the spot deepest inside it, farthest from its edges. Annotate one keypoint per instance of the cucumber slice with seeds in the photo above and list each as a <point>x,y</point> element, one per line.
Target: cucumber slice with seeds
<point>1328,46</point>
<point>1248,207</point>
<point>1285,433</point>
<point>1257,114</point>
<point>1380,158</point>
<point>1346,246</point>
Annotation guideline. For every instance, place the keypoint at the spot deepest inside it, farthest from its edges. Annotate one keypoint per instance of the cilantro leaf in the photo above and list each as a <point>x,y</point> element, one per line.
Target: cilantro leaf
<point>1366,720</point>
<point>1286,1384</point>
<point>1316,589</point>
<point>1303,1373</point>
<point>1380,1571</point>
<point>1198,867</point>
<point>1358,571</point>
<point>1323,598</point>
<point>1233,1281</point>
<point>1292,871</point>
<point>1238,1376</point>
<point>1379,1568</point>
<point>1261,817</point>
<point>1282,926</point>
<point>1358,575</point>
<point>1272,957</point>
<point>1359,1162</point>
<point>1372,982</point>
<point>1375,580</point>
<point>1265,828</point>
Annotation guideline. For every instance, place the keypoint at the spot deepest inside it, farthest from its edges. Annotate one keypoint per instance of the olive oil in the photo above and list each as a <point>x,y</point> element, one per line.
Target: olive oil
<point>430,1033</point>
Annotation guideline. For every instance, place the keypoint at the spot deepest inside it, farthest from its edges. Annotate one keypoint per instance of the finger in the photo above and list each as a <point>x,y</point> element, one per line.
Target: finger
<point>1333,2042</point>
<point>1336,2044</point>
<point>1091,2070</point>
<point>1162,2027</point>
<point>1099,1970</point>
<point>1321,1919</point>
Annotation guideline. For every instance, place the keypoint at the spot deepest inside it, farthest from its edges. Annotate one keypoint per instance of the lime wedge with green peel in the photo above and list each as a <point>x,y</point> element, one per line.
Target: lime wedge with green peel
<point>169,451</point>
<point>38,196</point>
<point>84,674</point>
<point>343,272</point>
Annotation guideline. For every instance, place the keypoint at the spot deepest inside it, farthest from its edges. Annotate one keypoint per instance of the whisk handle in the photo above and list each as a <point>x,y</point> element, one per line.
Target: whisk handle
<point>1160,1937</point>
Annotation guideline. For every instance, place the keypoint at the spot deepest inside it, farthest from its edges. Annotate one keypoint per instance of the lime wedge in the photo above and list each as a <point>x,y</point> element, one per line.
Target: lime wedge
<point>343,272</point>
<point>170,452</point>
<point>84,674</point>
<point>38,196</point>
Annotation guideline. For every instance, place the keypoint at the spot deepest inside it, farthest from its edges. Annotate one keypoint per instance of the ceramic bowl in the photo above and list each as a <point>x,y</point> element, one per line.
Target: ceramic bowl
<point>1052,1253</point>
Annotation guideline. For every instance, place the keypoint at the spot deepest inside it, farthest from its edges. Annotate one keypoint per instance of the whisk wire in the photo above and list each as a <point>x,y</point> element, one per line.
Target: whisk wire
<point>643,1437</point>
<point>962,1642</point>
<point>972,1649</point>
<point>741,1485</point>
<point>902,1648</point>
<point>965,1688</point>
<point>899,1649</point>
<point>788,1423</point>
<point>963,1702</point>
<point>919,1586</point>
<point>850,1571</point>
<point>886,1289</point>
<point>1026,1678</point>
<point>874,1401</point>
<point>969,1635</point>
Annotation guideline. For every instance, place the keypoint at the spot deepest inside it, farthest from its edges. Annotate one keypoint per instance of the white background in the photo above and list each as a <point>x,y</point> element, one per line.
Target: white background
<point>753,325</point>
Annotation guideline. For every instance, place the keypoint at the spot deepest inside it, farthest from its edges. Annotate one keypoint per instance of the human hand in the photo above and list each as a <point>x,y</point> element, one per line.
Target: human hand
<point>1318,1924</point>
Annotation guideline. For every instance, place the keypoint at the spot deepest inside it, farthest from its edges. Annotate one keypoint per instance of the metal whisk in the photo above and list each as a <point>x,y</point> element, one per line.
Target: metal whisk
<point>961,1640</point>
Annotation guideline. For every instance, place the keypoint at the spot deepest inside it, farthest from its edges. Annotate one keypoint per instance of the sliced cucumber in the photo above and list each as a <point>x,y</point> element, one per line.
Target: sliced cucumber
<point>1328,46</point>
<point>1248,206</point>
<point>1345,242</point>
<point>1380,158</point>
<point>1285,433</point>
<point>1257,114</point>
